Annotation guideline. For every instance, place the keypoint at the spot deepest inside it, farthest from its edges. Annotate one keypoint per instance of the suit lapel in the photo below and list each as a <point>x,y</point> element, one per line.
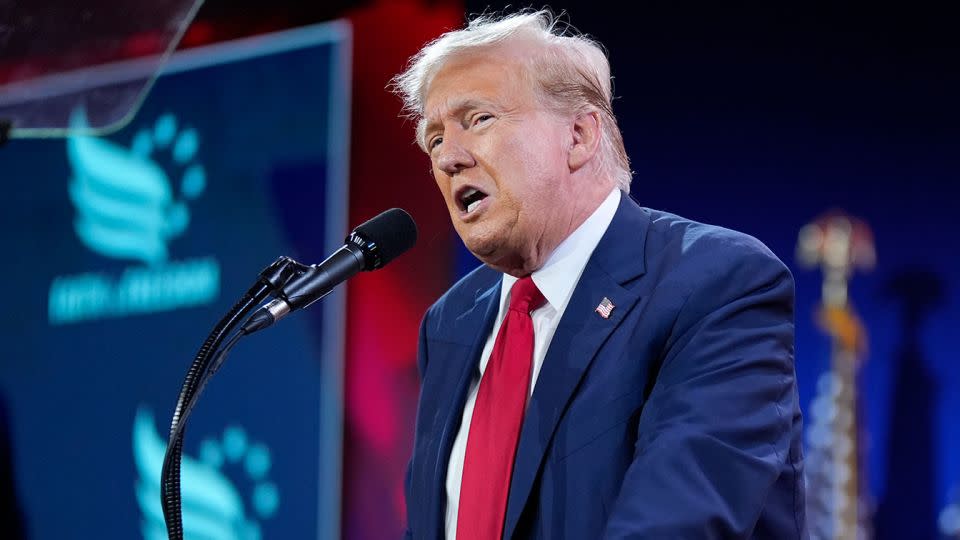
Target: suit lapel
<point>618,258</point>
<point>481,316</point>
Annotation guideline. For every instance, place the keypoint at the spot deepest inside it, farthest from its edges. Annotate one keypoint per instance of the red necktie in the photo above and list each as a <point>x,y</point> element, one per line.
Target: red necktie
<point>497,418</point>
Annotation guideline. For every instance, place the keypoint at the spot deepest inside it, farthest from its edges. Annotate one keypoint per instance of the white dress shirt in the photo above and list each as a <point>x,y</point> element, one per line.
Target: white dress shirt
<point>556,280</point>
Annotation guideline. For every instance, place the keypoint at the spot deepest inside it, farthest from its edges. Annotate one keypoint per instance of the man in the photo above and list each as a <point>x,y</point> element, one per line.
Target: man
<point>611,371</point>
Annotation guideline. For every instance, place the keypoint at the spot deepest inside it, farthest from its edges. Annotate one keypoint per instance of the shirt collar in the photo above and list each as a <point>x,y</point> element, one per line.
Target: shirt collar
<point>557,278</point>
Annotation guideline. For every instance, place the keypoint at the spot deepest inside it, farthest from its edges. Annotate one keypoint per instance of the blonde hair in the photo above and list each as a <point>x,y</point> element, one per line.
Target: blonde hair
<point>572,76</point>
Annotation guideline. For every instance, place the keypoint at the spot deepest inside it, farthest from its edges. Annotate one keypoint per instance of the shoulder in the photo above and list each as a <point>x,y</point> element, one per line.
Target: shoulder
<point>692,255</point>
<point>717,285</point>
<point>693,239</point>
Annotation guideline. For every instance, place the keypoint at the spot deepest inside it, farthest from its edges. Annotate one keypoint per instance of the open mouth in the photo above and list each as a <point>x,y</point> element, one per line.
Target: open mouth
<point>469,198</point>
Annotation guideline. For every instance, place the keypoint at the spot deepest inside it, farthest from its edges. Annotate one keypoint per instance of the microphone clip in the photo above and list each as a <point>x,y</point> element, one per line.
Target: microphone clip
<point>276,276</point>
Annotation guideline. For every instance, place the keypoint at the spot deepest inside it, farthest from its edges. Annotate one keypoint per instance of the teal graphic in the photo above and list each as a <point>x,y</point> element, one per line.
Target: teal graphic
<point>138,289</point>
<point>126,206</point>
<point>213,507</point>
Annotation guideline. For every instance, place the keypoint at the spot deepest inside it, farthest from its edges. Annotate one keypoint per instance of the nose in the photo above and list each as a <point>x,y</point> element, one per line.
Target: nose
<point>453,156</point>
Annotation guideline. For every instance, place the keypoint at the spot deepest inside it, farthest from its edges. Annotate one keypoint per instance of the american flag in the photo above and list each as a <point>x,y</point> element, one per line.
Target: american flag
<point>605,307</point>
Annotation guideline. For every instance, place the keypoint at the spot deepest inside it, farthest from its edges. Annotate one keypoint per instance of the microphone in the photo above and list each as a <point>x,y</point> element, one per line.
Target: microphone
<point>370,246</point>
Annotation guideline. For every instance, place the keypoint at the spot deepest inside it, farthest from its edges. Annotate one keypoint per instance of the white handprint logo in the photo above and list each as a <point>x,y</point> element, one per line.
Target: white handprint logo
<point>129,207</point>
<point>125,205</point>
<point>212,506</point>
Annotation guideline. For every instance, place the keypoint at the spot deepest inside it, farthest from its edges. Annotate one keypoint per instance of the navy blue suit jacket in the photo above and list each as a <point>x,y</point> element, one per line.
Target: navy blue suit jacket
<point>676,417</point>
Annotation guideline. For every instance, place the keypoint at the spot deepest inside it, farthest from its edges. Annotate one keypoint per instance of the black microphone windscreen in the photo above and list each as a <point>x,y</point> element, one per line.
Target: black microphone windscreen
<point>389,235</point>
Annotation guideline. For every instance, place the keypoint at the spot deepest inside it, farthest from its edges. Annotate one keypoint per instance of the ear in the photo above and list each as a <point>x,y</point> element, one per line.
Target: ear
<point>586,131</point>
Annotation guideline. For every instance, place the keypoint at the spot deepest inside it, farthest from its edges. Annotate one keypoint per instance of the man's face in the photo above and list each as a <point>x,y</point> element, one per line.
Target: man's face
<point>500,160</point>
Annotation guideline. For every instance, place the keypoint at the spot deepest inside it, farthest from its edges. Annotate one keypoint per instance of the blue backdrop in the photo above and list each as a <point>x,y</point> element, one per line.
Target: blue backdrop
<point>123,252</point>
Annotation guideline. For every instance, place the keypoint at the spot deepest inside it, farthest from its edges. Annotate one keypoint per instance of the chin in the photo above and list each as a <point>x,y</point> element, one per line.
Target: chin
<point>486,235</point>
<point>481,249</point>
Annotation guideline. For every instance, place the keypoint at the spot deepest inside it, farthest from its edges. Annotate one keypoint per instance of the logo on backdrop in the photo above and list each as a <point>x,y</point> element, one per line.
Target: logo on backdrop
<point>213,506</point>
<point>129,207</point>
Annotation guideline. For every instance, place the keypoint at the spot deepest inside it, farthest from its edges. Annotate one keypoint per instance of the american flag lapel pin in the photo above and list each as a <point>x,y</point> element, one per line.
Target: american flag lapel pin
<point>605,307</point>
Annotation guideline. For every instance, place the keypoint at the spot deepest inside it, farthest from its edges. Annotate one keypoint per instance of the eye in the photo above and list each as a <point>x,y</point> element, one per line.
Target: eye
<point>480,118</point>
<point>434,142</point>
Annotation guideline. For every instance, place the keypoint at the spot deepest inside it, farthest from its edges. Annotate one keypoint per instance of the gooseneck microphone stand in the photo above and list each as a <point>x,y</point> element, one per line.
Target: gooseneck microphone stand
<point>271,280</point>
<point>368,247</point>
